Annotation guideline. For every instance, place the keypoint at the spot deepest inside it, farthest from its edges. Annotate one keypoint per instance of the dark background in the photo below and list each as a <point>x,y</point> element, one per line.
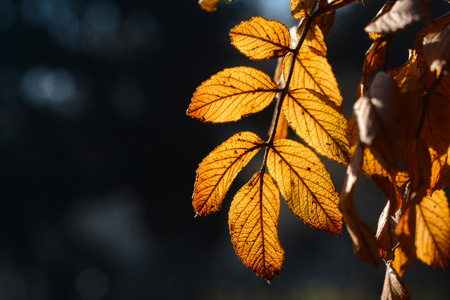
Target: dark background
<point>98,159</point>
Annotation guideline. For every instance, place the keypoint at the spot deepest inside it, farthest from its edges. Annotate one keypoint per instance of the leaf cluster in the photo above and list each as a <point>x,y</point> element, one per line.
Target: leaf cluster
<point>402,118</point>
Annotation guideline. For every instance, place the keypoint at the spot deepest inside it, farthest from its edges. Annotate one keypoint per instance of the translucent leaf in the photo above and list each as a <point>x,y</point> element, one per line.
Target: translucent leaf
<point>232,94</point>
<point>436,47</point>
<point>314,38</point>
<point>282,129</point>
<point>394,287</point>
<point>261,39</point>
<point>253,220</point>
<point>317,123</point>
<point>433,230</point>
<point>210,5</point>
<point>306,185</point>
<point>217,171</point>
<point>302,8</point>
<point>405,254</point>
<point>402,14</point>
<point>312,71</point>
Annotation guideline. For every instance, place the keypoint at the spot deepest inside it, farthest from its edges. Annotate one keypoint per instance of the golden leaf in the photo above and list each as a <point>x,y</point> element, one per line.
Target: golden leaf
<point>232,94</point>
<point>282,130</point>
<point>217,171</point>
<point>317,123</point>
<point>210,5</point>
<point>314,38</point>
<point>261,39</point>
<point>394,287</point>
<point>302,8</point>
<point>402,14</point>
<point>433,230</point>
<point>253,220</point>
<point>405,254</point>
<point>306,185</point>
<point>312,71</point>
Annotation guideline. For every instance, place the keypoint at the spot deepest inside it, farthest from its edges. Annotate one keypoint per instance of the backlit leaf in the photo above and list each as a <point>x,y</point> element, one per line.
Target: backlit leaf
<point>317,123</point>
<point>253,220</point>
<point>306,185</point>
<point>217,171</point>
<point>312,71</point>
<point>232,94</point>
<point>314,38</point>
<point>433,230</point>
<point>210,5</point>
<point>302,8</point>
<point>261,39</point>
<point>405,254</point>
<point>402,14</point>
<point>436,47</point>
<point>394,287</point>
<point>386,237</point>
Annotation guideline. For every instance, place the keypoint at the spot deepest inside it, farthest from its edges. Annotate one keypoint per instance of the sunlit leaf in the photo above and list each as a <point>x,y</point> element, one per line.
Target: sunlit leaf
<point>232,94</point>
<point>405,254</point>
<point>306,185</point>
<point>325,21</point>
<point>433,230</point>
<point>282,130</point>
<point>312,71</point>
<point>394,287</point>
<point>253,220</point>
<point>261,39</point>
<point>314,38</point>
<point>302,8</point>
<point>386,7</point>
<point>210,5</point>
<point>436,47</point>
<point>386,238</point>
<point>317,123</point>
<point>402,14</point>
<point>217,171</point>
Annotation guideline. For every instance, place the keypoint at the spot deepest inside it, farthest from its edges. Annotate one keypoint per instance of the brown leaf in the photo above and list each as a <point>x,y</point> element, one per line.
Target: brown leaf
<point>394,288</point>
<point>232,94</point>
<point>261,39</point>
<point>210,5</point>
<point>306,185</point>
<point>253,220</point>
<point>374,59</point>
<point>402,14</point>
<point>418,163</point>
<point>217,171</point>
<point>433,230</point>
<point>436,47</point>
<point>386,238</point>
<point>302,8</point>
<point>382,120</point>
<point>405,254</point>
<point>318,124</point>
<point>312,71</point>
<point>363,238</point>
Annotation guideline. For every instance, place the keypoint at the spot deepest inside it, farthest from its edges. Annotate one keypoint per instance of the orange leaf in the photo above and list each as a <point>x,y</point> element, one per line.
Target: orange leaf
<point>232,94</point>
<point>312,71</point>
<point>210,5</point>
<point>282,130</point>
<point>374,59</point>
<point>402,14</point>
<point>405,254</point>
<point>261,39</point>
<point>306,185</point>
<point>217,171</point>
<point>302,8</point>
<point>318,124</point>
<point>253,220</point>
<point>433,230</point>
<point>394,287</point>
<point>436,47</point>
<point>314,38</point>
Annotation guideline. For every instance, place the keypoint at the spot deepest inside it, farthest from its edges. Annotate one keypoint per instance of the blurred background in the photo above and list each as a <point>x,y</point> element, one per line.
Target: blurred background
<point>98,159</point>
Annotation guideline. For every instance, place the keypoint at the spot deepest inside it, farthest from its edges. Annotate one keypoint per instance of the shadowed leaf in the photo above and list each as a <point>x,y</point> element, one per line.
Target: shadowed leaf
<point>217,171</point>
<point>436,47</point>
<point>253,220</point>
<point>306,185</point>
<point>232,94</point>
<point>386,238</point>
<point>394,288</point>
<point>261,39</point>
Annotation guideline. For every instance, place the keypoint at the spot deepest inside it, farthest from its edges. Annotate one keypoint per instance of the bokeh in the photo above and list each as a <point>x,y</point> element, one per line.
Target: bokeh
<point>98,159</point>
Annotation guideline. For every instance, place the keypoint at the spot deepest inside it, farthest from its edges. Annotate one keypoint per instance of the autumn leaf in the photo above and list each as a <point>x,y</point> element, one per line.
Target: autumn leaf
<point>210,5</point>
<point>232,94</point>
<point>253,220</point>
<point>405,254</point>
<point>433,230</point>
<point>302,8</point>
<point>374,59</point>
<point>436,47</point>
<point>402,14</point>
<point>318,124</point>
<point>312,71</point>
<point>261,39</point>
<point>386,238</point>
<point>394,287</point>
<point>305,185</point>
<point>217,171</point>
<point>314,38</point>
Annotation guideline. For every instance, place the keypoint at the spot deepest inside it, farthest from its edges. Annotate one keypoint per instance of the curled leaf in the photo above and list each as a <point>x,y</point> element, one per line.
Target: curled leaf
<point>436,47</point>
<point>253,220</point>
<point>232,94</point>
<point>261,39</point>
<point>306,185</point>
<point>402,14</point>
<point>394,287</point>
<point>217,171</point>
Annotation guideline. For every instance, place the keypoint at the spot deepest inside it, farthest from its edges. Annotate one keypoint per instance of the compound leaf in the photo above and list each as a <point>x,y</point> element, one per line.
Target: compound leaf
<point>306,185</point>
<point>217,171</point>
<point>261,39</point>
<point>232,94</point>
<point>253,220</point>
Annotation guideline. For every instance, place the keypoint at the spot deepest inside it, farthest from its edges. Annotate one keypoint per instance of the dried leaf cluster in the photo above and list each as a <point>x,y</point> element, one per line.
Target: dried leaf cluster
<point>402,118</point>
